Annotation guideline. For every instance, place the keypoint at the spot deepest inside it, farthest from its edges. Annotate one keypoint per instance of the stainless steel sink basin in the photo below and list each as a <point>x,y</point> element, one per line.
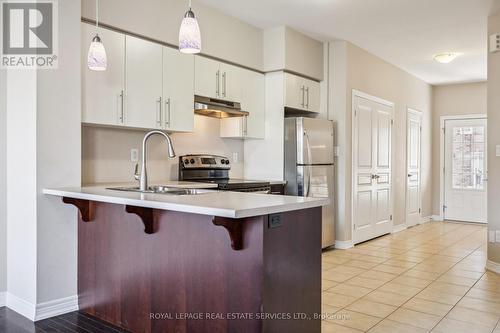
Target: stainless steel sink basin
<point>163,190</point>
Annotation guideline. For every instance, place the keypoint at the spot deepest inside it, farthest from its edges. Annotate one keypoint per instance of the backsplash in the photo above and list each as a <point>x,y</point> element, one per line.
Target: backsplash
<point>106,152</point>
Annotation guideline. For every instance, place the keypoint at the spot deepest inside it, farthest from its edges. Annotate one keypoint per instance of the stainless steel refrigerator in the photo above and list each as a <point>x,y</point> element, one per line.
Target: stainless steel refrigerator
<point>309,165</point>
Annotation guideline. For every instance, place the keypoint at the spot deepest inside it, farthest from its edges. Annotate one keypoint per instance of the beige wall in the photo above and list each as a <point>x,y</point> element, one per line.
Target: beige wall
<point>493,140</point>
<point>106,152</point>
<point>452,100</point>
<point>365,72</point>
<point>223,36</point>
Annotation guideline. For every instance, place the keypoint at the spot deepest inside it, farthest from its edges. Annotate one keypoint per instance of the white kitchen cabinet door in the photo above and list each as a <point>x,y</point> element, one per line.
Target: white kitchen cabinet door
<point>207,77</point>
<point>313,99</point>
<point>231,82</point>
<point>295,94</point>
<point>233,128</point>
<point>143,97</point>
<point>178,91</point>
<point>102,92</point>
<point>253,100</point>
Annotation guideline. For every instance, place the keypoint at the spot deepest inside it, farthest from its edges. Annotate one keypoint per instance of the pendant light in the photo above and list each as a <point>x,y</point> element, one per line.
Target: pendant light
<point>96,59</point>
<point>189,33</point>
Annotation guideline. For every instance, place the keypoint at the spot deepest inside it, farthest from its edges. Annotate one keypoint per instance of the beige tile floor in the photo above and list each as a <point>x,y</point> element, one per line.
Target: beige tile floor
<point>429,278</point>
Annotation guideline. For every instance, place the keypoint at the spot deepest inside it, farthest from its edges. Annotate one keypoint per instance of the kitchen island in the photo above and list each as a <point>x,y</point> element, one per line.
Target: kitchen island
<point>207,262</point>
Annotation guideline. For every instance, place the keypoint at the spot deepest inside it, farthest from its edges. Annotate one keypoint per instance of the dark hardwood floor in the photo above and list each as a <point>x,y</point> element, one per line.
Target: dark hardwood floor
<point>11,322</point>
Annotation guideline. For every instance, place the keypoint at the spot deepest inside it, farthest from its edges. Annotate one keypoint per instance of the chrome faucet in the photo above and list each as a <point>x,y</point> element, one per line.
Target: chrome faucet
<point>143,176</point>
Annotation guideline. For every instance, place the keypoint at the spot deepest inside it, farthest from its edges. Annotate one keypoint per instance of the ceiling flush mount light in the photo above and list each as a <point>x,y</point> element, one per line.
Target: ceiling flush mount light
<point>189,33</point>
<point>97,59</point>
<point>446,57</point>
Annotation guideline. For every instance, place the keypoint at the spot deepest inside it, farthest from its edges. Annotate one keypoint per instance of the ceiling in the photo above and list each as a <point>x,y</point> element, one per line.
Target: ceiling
<point>406,33</point>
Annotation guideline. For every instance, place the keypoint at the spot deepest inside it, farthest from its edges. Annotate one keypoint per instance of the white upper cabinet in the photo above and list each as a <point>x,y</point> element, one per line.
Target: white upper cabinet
<point>231,82</point>
<point>102,92</point>
<point>144,86</point>
<point>178,91</point>
<point>253,101</point>
<point>218,80</point>
<point>301,94</point>
<point>207,77</point>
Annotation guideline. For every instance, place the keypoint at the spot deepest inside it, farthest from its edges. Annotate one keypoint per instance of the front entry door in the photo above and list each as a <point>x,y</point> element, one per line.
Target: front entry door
<point>372,199</point>
<point>413,143</point>
<point>465,170</point>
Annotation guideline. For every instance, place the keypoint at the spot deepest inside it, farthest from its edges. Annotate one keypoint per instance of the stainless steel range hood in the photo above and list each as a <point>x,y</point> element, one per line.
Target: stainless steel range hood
<point>217,108</point>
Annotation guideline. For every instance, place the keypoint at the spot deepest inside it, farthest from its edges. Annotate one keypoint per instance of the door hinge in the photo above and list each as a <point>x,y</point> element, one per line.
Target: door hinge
<point>444,208</point>
<point>392,121</point>
<point>419,210</point>
<point>420,128</point>
<point>444,130</point>
<point>355,113</point>
<point>390,217</point>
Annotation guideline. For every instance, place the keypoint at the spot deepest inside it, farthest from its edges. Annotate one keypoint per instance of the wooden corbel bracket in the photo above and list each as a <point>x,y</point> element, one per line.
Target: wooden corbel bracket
<point>85,207</point>
<point>146,215</point>
<point>235,229</point>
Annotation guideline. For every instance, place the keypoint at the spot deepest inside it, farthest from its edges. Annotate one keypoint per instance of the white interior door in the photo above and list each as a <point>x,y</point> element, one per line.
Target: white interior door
<point>413,191</point>
<point>372,195</point>
<point>465,170</point>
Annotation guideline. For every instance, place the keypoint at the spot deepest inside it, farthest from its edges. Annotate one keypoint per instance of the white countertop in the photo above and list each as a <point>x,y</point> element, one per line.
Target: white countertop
<point>216,203</point>
<point>166,183</point>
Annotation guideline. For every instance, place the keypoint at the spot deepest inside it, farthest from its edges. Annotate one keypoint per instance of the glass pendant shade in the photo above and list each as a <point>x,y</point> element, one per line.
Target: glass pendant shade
<point>97,59</point>
<point>189,34</point>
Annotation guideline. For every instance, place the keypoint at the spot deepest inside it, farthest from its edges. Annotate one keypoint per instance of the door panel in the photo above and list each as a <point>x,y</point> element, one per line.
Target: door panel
<point>372,207</point>
<point>317,181</point>
<point>413,147</point>
<point>207,77</point>
<point>143,99</point>
<point>102,101</point>
<point>178,90</point>
<point>465,194</point>
<point>315,142</point>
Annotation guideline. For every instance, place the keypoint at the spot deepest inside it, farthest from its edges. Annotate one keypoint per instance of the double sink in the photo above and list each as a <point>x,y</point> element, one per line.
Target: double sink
<point>169,190</point>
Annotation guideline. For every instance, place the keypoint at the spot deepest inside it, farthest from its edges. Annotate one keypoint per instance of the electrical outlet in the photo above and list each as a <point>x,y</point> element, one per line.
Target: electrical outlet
<point>134,155</point>
<point>497,233</point>
<point>235,157</point>
<point>491,236</point>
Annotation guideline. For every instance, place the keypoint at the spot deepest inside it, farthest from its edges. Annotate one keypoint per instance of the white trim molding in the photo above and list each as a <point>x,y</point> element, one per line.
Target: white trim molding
<point>19,305</point>
<point>3,299</point>
<point>57,307</point>
<point>425,219</point>
<point>493,266</point>
<point>343,245</point>
<point>399,228</point>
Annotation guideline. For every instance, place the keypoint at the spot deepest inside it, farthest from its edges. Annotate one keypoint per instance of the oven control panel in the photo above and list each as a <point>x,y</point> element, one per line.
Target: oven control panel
<point>204,162</point>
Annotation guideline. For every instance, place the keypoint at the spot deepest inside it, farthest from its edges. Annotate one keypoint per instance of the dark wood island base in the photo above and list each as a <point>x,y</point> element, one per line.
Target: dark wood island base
<point>149,270</point>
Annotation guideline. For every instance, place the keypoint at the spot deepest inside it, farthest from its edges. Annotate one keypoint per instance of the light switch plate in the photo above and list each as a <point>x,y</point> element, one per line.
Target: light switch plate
<point>497,236</point>
<point>498,151</point>
<point>134,155</point>
<point>491,236</point>
<point>336,151</point>
<point>235,157</point>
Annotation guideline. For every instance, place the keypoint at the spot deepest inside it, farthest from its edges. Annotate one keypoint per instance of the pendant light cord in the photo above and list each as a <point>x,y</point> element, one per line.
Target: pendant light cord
<point>97,14</point>
<point>189,4</point>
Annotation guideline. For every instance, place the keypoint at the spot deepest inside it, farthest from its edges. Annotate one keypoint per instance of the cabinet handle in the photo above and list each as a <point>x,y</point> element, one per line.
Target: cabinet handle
<point>303,98</point>
<point>122,93</point>
<point>158,111</point>
<point>217,83</point>
<point>307,103</point>
<point>167,107</point>
<point>224,80</point>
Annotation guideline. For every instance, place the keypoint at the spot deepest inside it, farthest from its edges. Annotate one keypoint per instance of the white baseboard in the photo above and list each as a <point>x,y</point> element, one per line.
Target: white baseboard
<point>57,307</point>
<point>43,310</point>
<point>19,305</point>
<point>493,266</point>
<point>343,245</point>
<point>399,228</point>
<point>426,219</point>
<point>437,218</point>
<point>3,299</point>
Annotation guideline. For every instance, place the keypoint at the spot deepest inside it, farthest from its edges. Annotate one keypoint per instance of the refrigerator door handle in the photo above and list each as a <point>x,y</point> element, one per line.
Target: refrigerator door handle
<point>308,147</point>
